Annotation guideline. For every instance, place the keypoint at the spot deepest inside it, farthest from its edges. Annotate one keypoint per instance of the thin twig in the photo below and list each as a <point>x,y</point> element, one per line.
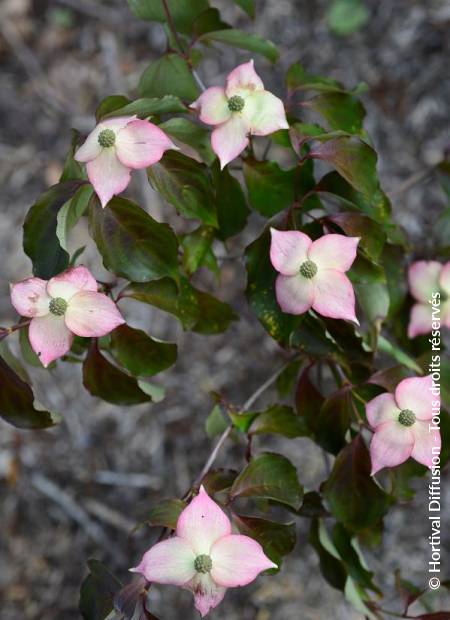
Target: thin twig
<point>248,403</point>
<point>179,43</point>
<point>5,331</point>
<point>172,28</point>
<point>212,457</point>
<point>199,80</point>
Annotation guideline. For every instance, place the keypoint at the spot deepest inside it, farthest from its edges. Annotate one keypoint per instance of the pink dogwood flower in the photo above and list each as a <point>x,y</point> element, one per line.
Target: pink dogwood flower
<point>403,424</point>
<point>426,278</point>
<point>115,148</point>
<point>312,273</point>
<point>240,109</point>
<point>204,556</point>
<point>65,305</point>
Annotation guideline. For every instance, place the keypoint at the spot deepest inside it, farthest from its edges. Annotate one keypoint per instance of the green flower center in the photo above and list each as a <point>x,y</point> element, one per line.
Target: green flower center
<point>106,138</point>
<point>406,417</point>
<point>203,564</point>
<point>236,103</point>
<point>57,306</point>
<point>308,269</point>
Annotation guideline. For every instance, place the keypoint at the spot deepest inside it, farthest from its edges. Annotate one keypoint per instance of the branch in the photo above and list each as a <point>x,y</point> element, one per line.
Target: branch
<point>248,403</point>
<point>5,331</point>
<point>172,28</point>
<point>179,42</point>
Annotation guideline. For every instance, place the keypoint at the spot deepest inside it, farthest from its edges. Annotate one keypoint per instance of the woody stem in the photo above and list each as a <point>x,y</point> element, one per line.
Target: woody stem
<point>248,403</point>
<point>172,27</point>
<point>5,331</point>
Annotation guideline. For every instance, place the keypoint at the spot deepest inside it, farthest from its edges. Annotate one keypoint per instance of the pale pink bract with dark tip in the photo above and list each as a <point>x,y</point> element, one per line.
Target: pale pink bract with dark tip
<point>204,556</point>
<point>135,144</point>
<point>401,424</point>
<point>65,305</point>
<point>312,273</point>
<point>241,109</point>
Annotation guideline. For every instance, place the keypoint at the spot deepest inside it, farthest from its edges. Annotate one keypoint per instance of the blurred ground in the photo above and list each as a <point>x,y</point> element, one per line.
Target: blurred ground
<point>76,491</point>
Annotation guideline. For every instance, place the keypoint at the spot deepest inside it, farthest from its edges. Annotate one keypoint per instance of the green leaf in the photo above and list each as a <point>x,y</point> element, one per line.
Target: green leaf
<point>269,476</point>
<point>402,476</point>
<point>349,553</point>
<point>354,160</point>
<point>132,244</point>
<point>376,206</point>
<point>245,41</point>
<point>347,16</point>
<point>231,205</point>
<point>311,337</point>
<point>261,291</point>
<point>308,400</point>
<point>312,506</point>
<point>140,354</point>
<point>12,361</point>
<point>270,188</point>
<point>248,6</point>
<point>192,134</point>
<point>277,539</point>
<point>131,601</point>
<point>147,107</point>
<point>183,12</point>
<point>341,110</point>
<point>208,21</point>
<point>374,300</point>
<point>107,382</point>
<point>166,513</point>
<point>334,420</point>
<point>242,419</point>
<point>352,495</point>
<point>215,422</point>
<point>442,230</point>
<point>73,170</point>
<point>215,316</point>
<point>40,241</point>
<point>398,354</point>
<point>389,378</point>
<point>196,246</point>
<point>181,301</point>
<point>110,105</point>
<point>298,79</point>
<point>156,392</point>
<point>217,480</point>
<point>288,378</point>
<point>97,592</point>
<point>17,403</point>
<point>331,566</point>
<point>25,348</point>
<point>279,420</point>
<point>372,234</point>
<point>69,215</point>
<point>76,255</point>
<point>185,184</point>
<point>170,75</point>
<point>397,284</point>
